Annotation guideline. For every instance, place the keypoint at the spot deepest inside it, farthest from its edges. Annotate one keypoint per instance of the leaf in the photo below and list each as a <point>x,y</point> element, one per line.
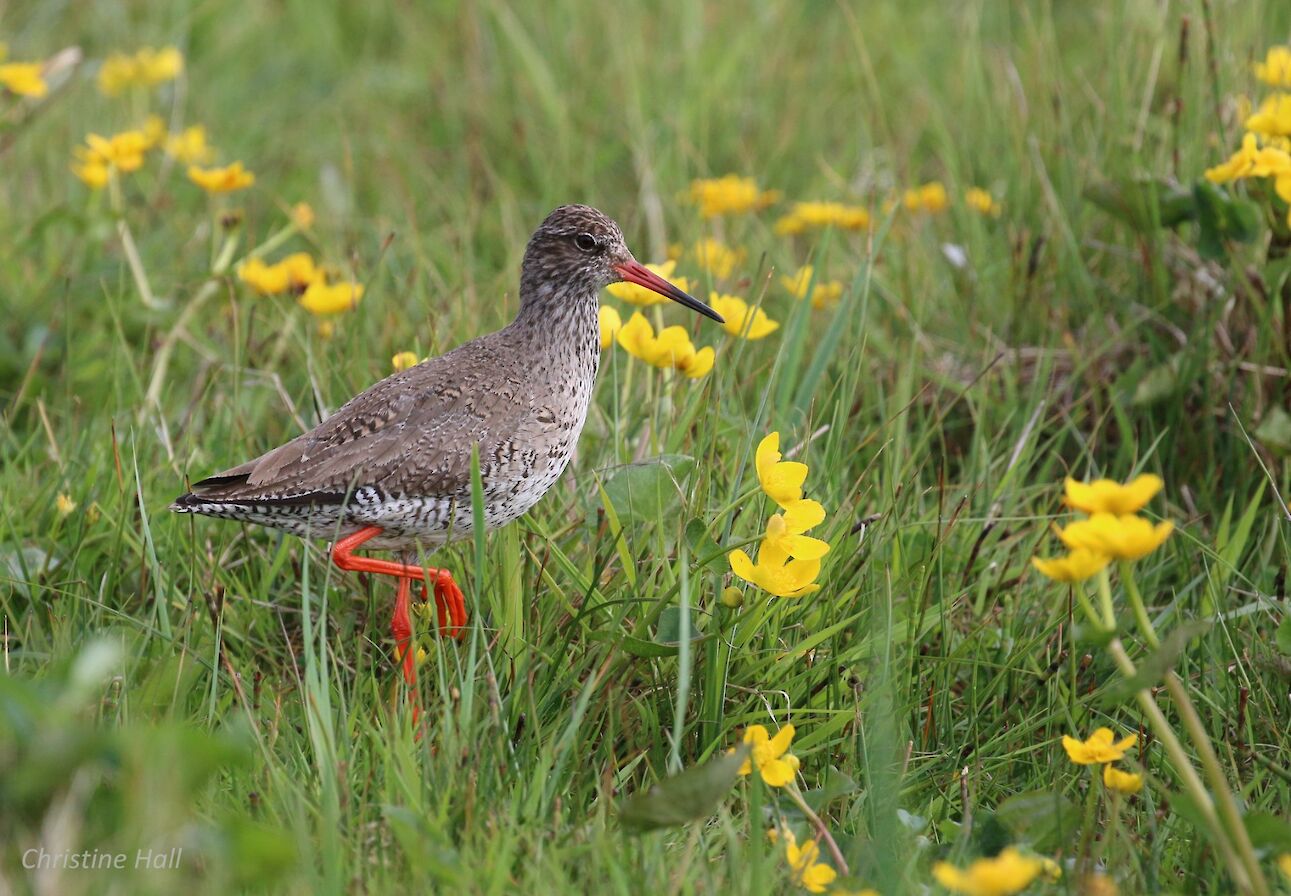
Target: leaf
<point>1267,831</point>
<point>669,629</point>
<point>836,785</point>
<point>1152,669</point>
<point>634,646</point>
<point>1044,819</point>
<point>1274,431</point>
<point>1158,383</point>
<point>1283,636</point>
<point>1222,217</point>
<point>689,796</point>
<point>650,490</point>
<point>1144,203</point>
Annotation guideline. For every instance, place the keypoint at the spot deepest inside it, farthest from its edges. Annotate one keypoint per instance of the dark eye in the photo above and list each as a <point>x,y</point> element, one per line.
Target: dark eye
<point>586,243</point>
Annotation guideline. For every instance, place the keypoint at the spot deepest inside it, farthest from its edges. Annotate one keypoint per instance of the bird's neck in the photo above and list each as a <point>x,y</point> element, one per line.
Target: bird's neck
<point>559,321</point>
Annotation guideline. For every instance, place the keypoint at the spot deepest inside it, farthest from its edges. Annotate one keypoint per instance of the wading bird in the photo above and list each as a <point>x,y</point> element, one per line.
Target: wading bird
<point>392,468</point>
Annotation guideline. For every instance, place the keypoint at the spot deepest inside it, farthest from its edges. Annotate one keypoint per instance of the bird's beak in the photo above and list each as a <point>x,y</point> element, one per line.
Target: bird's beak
<point>635,272</point>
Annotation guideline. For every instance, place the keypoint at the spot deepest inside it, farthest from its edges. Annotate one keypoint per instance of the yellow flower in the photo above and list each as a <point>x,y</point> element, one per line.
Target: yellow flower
<point>145,68</point>
<point>770,755</point>
<point>64,504</point>
<point>610,323</point>
<point>781,480</point>
<point>302,215</point>
<point>1273,118</point>
<point>982,202</point>
<point>804,216</point>
<point>122,152</point>
<point>1275,70</point>
<point>784,533</point>
<point>1099,748</point>
<point>1127,783</point>
<point>295,272</point>
<point>323,298</point>
<point>671,348</point>
<point>739,316</point>
<point>826,292</point>
<point>716,257</point>
<point>775,573</point>
<point>1108,496</point>
<point>810,873</point>
<point>1123,537</point>
<point>189,145</point>
<point>931,197</point>
<point>403,360</point>
<point>221,180</point>
<point>1284,863</point>
<point>1075,567</point>
<point>1009,872</point>
<point>729,195</point>
<point>23,79</point>
<point>639,295</point>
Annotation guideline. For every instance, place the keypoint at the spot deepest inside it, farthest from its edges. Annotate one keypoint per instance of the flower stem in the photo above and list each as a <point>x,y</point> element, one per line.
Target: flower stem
<point>821,830</point>
<point>1105,600</point>
<point>1218,782</point>
<point>137,271</point>
<point>1136,604</point>
<point>1191,781</point>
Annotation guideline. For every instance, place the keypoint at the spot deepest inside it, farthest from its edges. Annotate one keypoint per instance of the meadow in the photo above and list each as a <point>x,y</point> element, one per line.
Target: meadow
<point>1020,274</point>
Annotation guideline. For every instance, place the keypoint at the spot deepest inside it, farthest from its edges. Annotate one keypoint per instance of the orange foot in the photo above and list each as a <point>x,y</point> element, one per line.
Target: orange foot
<point>449,601</point>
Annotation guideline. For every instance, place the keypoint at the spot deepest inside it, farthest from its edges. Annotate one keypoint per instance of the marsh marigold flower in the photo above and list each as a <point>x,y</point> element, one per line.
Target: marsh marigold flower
<point>146,68</point>
<point>1124,537</point>
<point>221,180</point>
<point>23,79</point>
<point>716,257</point>
<point>123,152</point>
<point>982,202</point>
<point>729,195</point>
<point>1273,117</point>
<point>770,755</point>
<point>609,322</point>
<point>1075,567</point>
<point>1099,748</point>
<point>671,348</point>
<point>1109,496</point>
<point>189,146</point>
<point>294,273</point>
<point>1127,783</point>
<point>639,295</point>
<point>784,533</point>
<point>930,197</point>
<point>404,360</point>
<point>64,504</point>
<point>323,298</point>
<point>809,872</point>
<point>804,216</point>
<point>742,319</point>
<point>1009,872</point>
<point>824,294</point>
<point>1275,70</point>
<point>781,480</point>
<point>775,573</point>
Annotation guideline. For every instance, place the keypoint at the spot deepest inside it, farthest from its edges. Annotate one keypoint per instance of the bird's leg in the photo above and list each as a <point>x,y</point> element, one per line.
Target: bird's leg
<point>449,601</point>
<point>401,627</point>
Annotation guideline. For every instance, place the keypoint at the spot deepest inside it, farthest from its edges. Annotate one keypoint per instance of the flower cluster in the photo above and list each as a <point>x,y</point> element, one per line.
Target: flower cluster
<point>930,197</point>
<point>1266,147</point>
<point>101,157</point>
<point>224,179</point>
<point>144,68</point>
<point>716,257</point>
<point>808,871</point>
<point>671,347</point>
<point>805,216</point>
<point>298,274</point>
<point>729,195</point>
<point>1101,749</point>
<point>823,294</point>
<point>788,559</point>
<point>22,78</point>
<point>982,202</point>
<point>1111,531</point>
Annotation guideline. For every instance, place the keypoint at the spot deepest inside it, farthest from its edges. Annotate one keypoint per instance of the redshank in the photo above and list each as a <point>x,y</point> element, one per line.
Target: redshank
<point>392,468</point>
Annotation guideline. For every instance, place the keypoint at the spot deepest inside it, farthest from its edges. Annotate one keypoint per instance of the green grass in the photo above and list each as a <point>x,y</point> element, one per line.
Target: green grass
<point>172,681</point>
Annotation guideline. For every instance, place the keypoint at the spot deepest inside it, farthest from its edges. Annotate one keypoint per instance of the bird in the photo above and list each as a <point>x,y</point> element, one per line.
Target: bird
<point>391,469</point>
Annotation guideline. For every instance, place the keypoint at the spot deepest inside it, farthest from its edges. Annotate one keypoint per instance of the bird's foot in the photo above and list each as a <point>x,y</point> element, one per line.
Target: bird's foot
<point>450,605</point>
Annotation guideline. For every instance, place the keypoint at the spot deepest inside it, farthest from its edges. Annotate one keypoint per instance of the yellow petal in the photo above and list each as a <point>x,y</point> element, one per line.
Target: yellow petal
<point>1075,567</point>
<point>780,743</point>
<point>1122,782</point>
<point>1108,496</point>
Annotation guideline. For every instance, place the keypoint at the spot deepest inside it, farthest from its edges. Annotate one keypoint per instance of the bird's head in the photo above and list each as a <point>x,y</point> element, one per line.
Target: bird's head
<point>578,246</point>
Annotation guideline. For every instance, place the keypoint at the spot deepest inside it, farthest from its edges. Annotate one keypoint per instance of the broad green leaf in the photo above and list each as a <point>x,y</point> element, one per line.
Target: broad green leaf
<point>688,796</point>
<point>1044,819</point>
<point>1268,831</point>
<point>1274,431</point>
<point>651,490</point>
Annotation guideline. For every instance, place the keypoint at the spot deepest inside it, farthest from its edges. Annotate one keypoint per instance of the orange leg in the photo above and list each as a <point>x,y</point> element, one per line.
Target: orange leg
<point>449,601</point>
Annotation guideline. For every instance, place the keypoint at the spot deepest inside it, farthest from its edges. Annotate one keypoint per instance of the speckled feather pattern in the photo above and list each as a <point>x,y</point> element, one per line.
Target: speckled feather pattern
<point>398,455</point>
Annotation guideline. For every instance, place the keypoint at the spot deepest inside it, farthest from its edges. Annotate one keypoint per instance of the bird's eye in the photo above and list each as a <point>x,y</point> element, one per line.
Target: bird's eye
<point>586,243</point>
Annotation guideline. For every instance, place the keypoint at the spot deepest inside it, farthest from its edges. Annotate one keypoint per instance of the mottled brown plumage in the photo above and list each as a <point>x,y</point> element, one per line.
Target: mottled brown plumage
<point>398,455</point>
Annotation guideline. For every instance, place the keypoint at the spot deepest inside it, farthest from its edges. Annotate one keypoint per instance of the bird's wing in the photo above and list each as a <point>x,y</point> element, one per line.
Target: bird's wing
<point>411,433</point>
